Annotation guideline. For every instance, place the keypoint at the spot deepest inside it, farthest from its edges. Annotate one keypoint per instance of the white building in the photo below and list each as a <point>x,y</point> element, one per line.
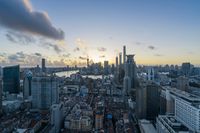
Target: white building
<point>187,111</point>
<point>44,92</point>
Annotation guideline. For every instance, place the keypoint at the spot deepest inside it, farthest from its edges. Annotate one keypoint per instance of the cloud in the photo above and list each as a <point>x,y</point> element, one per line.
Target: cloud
<point>19,38</point>
<point>20,16</point>
<point>66,55</point>
<point>151,47</point>
<point>102,56</point>
<point>138,43</point>
<point>38,54</point>
<point>101,49</point>
<point>76,49</point>
<point>50,45</point>
<point>81,44</point>
<point>158,55</point>
<point>82,58</point>
<point>21,58</point>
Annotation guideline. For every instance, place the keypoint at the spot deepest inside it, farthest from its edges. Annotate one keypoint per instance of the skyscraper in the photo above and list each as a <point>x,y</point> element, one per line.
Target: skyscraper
<point>152,101</point>
<point>44,91</point>
<point>1,95</point>
<point>120,59</point>
<point>124,54</point>
<point>106,67</point>
<point>11,79</point>
<point>43,66</point>
<point>27,84</point>
<point>116,62</point>
<point>130,74</point>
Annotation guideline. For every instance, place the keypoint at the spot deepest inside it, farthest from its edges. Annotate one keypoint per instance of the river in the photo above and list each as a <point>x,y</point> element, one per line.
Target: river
<point>68,73</point>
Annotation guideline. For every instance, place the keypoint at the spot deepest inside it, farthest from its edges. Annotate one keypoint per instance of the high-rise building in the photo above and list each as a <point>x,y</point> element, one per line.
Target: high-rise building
<point>116,62</point>
<point>124,54</point>
<point>141,101</point>
<point>44,91</point>
<point>106,67</point>
<point>120,59</point>
<point>130,74</point>
<point>183,83</point>
<point>43,66</point>
<point>11,79</point>
<point>88,62</point>
<point>187,111</point>
<point>27,85</point>
<point>152,101</point>
<point>56,117</point>
<point>185,68</point>
<point>1,90</point>
<point>150,74</point>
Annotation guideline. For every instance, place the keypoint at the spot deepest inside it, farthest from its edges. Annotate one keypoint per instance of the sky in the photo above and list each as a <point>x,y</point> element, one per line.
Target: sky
<point>66,32</point>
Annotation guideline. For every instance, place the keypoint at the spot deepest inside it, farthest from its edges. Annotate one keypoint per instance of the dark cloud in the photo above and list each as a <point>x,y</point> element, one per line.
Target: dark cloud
<point>50,45</point>
<point>18,57</point>
<point>19,38</point>
<point>102,56</point>
<point>101,49</point>
<point>38,54</point>
<point>82,58</point>
<point>19,15</point>
<point>151,47</point>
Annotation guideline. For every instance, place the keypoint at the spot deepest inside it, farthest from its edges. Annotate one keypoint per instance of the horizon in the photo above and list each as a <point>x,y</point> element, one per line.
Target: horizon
<point>158,32</point>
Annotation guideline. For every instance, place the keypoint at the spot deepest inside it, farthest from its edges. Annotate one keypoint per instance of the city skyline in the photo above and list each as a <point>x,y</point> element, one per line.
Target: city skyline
<point>69,32</point>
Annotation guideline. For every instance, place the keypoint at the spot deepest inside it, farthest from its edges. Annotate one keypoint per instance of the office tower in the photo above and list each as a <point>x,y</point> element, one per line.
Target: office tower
<point>11,79</point>
<point>116,62</point>
<point>124,54</point>
<point>187,111</point>
<point>56,117</point>
<point>152,101</point>
<point>0,71</point>
<point>1,91</point>
<point>27,84</point>
<point>43,66</point>
<point>130,74</point>
<point>185,68</point>
<point>88,62</point>
<point>141,101</point>
<point>106,67</point>
<point>167,102</point>
<point>131,69</point>
<point>44,91</point>
<point>120,59</point>
<point>150,74</point>
<point>183,83</point>
<point>126,85</point>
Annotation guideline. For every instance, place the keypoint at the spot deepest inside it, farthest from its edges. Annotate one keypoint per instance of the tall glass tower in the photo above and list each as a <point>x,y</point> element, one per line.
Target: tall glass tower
<point>11,79</point>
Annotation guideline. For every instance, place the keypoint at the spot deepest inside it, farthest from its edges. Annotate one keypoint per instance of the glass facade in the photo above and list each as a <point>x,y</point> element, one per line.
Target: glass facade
<point>11,79</point>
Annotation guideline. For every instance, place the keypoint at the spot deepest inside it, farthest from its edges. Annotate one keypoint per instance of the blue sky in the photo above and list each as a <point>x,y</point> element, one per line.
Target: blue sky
<point>157,31</point>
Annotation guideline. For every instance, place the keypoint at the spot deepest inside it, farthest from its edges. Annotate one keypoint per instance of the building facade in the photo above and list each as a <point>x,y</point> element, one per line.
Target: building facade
<point>44,91</point>
<point>11,79</point>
